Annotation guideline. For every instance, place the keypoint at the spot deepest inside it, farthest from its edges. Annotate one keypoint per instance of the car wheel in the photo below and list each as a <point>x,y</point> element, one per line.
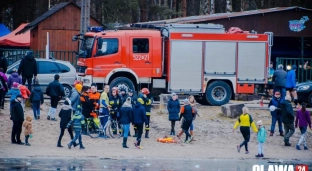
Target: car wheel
<point>218,93</point>
<point>122,82</point>
<point>67,90</point>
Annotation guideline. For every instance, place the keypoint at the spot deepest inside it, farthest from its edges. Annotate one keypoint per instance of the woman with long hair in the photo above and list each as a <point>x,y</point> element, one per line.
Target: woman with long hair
<point>303,118</point>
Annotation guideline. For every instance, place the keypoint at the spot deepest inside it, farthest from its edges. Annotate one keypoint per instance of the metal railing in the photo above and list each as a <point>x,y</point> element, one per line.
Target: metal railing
<point>14,55</point>
<point>302,74</point>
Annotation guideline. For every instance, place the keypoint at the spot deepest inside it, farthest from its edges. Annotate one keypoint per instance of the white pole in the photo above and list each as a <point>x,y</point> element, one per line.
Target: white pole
<point>47,47</point>
<point>49,5</point>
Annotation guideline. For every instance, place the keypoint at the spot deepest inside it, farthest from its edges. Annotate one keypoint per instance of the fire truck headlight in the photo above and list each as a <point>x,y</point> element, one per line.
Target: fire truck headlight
<point>288,67</point>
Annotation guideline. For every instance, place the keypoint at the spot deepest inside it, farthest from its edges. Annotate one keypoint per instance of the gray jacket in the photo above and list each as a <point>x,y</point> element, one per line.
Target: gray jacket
<point>75,99</point>
<point>279,77</point>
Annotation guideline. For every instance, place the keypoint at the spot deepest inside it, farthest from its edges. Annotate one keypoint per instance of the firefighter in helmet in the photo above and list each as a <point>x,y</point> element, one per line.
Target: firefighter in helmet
<point>147,103</point>
<point>115,104</point>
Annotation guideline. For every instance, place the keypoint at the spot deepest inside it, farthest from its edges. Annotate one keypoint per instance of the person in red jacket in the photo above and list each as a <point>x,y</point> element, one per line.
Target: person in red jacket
<point>25,93</point>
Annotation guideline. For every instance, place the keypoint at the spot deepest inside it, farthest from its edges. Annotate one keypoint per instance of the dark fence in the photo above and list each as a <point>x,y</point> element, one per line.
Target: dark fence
<point>303,73</point>
<point>14,55</point>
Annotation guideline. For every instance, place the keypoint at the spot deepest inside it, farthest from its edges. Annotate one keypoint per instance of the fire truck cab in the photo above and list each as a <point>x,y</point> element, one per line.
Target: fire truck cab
<point>198,59</point>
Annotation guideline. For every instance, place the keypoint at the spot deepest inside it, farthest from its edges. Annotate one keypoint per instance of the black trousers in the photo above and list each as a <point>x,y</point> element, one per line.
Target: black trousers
<point>16,132</point>
<point>29,80</point>
<point>2,96</point>
<point>139,128</point>
<point>70,131</point>
<point>54,101</point>
<point>148,122</point>
<point>246,134</point>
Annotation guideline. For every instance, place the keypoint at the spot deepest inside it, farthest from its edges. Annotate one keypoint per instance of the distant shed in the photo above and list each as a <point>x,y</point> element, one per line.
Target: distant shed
<point>62,22</point>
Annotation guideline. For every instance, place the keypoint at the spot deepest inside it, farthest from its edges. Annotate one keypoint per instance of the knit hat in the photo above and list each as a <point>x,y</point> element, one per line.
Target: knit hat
<point>259,123</point>
<point>15,85</point>
<point>186,101</point>
<point>78,87</point>
<point>127,103</point>
<point>294,67</point>
<point>173,94</point>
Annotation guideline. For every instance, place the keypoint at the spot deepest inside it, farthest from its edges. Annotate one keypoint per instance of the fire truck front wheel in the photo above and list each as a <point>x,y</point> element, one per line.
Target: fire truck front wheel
<point>218,93</point>
<point>122,82</point>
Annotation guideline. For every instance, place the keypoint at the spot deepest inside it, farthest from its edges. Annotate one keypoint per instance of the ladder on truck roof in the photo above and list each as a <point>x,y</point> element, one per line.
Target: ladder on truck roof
<point>185,28</point>
<point>195,28</point>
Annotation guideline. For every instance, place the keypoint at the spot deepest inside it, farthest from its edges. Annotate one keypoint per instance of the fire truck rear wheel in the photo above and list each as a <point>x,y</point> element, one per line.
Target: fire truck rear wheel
<point>122,82</point>
<point>218,93</point>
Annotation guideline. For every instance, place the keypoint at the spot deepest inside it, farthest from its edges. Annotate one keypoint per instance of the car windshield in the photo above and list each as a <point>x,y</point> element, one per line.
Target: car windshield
<point>85,48</point>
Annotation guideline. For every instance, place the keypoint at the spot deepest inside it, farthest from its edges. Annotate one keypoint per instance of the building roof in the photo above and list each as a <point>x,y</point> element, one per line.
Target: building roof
<point>13,40</point>
<point>217,16</point>
<point>47,14</point>
<point>4,30</point>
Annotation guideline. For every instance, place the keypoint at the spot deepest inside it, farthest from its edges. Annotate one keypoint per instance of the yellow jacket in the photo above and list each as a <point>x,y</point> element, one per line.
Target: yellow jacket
<point>104,100</point>
<point>246,120</point>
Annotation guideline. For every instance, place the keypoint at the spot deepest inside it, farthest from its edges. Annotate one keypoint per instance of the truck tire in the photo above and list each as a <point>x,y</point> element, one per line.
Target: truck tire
<point>218,93</point>
<point>122,82</point>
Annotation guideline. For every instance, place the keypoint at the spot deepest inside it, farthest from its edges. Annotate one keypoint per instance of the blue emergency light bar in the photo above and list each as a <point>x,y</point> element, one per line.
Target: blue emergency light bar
<point>95,29</point>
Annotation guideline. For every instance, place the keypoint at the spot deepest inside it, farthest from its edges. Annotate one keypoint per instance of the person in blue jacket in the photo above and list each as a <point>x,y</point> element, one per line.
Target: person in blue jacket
<point>291,84</point>
<point>173,107</point>
<point>276,114</point>
<point>138,119</point>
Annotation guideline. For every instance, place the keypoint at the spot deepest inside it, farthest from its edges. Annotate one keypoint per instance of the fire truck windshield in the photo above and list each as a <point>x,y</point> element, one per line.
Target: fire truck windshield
<point>85,48</point>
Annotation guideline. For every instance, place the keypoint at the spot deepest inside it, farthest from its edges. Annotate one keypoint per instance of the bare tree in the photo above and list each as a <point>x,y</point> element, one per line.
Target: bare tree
<point>212,7</point>
<point>206,7</point>
<point>243,2</point>
<point>183,8</point>
<point>229,7</point>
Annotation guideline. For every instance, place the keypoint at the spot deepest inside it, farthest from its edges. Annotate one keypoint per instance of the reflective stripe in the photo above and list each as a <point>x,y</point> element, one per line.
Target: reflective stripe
<point>148,113</point>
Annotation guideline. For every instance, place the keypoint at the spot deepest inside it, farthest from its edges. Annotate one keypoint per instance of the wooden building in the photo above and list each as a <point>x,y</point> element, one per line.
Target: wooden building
<point>62,22</point>
<point>291,26</point>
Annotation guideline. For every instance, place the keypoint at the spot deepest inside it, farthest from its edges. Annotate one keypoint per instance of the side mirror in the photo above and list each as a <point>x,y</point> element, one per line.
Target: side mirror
<point>99,43</point>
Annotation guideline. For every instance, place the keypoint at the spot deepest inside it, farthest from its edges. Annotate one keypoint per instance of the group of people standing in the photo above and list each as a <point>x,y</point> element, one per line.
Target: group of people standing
<point>112,103</point>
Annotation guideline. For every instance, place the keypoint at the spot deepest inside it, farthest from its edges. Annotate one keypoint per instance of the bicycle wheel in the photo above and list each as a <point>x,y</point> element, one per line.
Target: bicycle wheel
<point>93,130</point>
<point>114,129</point>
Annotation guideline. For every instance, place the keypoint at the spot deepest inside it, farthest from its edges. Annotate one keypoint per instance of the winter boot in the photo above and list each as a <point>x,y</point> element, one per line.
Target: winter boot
<point>59,144</point>
<point>75,144</point>
<point>258,155</point>
<point>146,134</point>
<point>298,147</point>
<point>271,133</point>
<point>124,143</point>
<point>282,134</point>
<point>135,133</point>
<point>48,117</point>
<point>171,133</point>
<point>81,147</point>
<point>69,145</point>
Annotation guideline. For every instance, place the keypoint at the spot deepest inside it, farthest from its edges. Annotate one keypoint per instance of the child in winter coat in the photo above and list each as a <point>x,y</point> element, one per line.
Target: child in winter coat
<point>77,121</point>
<point>36,99</point>
<point>277,114</point>
<point>25,93</point>
<point>261,138</point>
<point>304,120</point>
<point>14,77</point>
<point>14,92</point>
<point>65,115</point>
<point>28,129</point>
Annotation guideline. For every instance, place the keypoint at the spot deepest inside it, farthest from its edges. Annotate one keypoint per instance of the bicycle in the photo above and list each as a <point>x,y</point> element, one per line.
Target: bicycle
<point>94,129</point>
<point>113,126</point>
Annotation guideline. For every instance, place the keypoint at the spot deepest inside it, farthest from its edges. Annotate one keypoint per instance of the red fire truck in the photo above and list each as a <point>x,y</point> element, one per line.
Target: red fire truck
<point>199,59</point>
